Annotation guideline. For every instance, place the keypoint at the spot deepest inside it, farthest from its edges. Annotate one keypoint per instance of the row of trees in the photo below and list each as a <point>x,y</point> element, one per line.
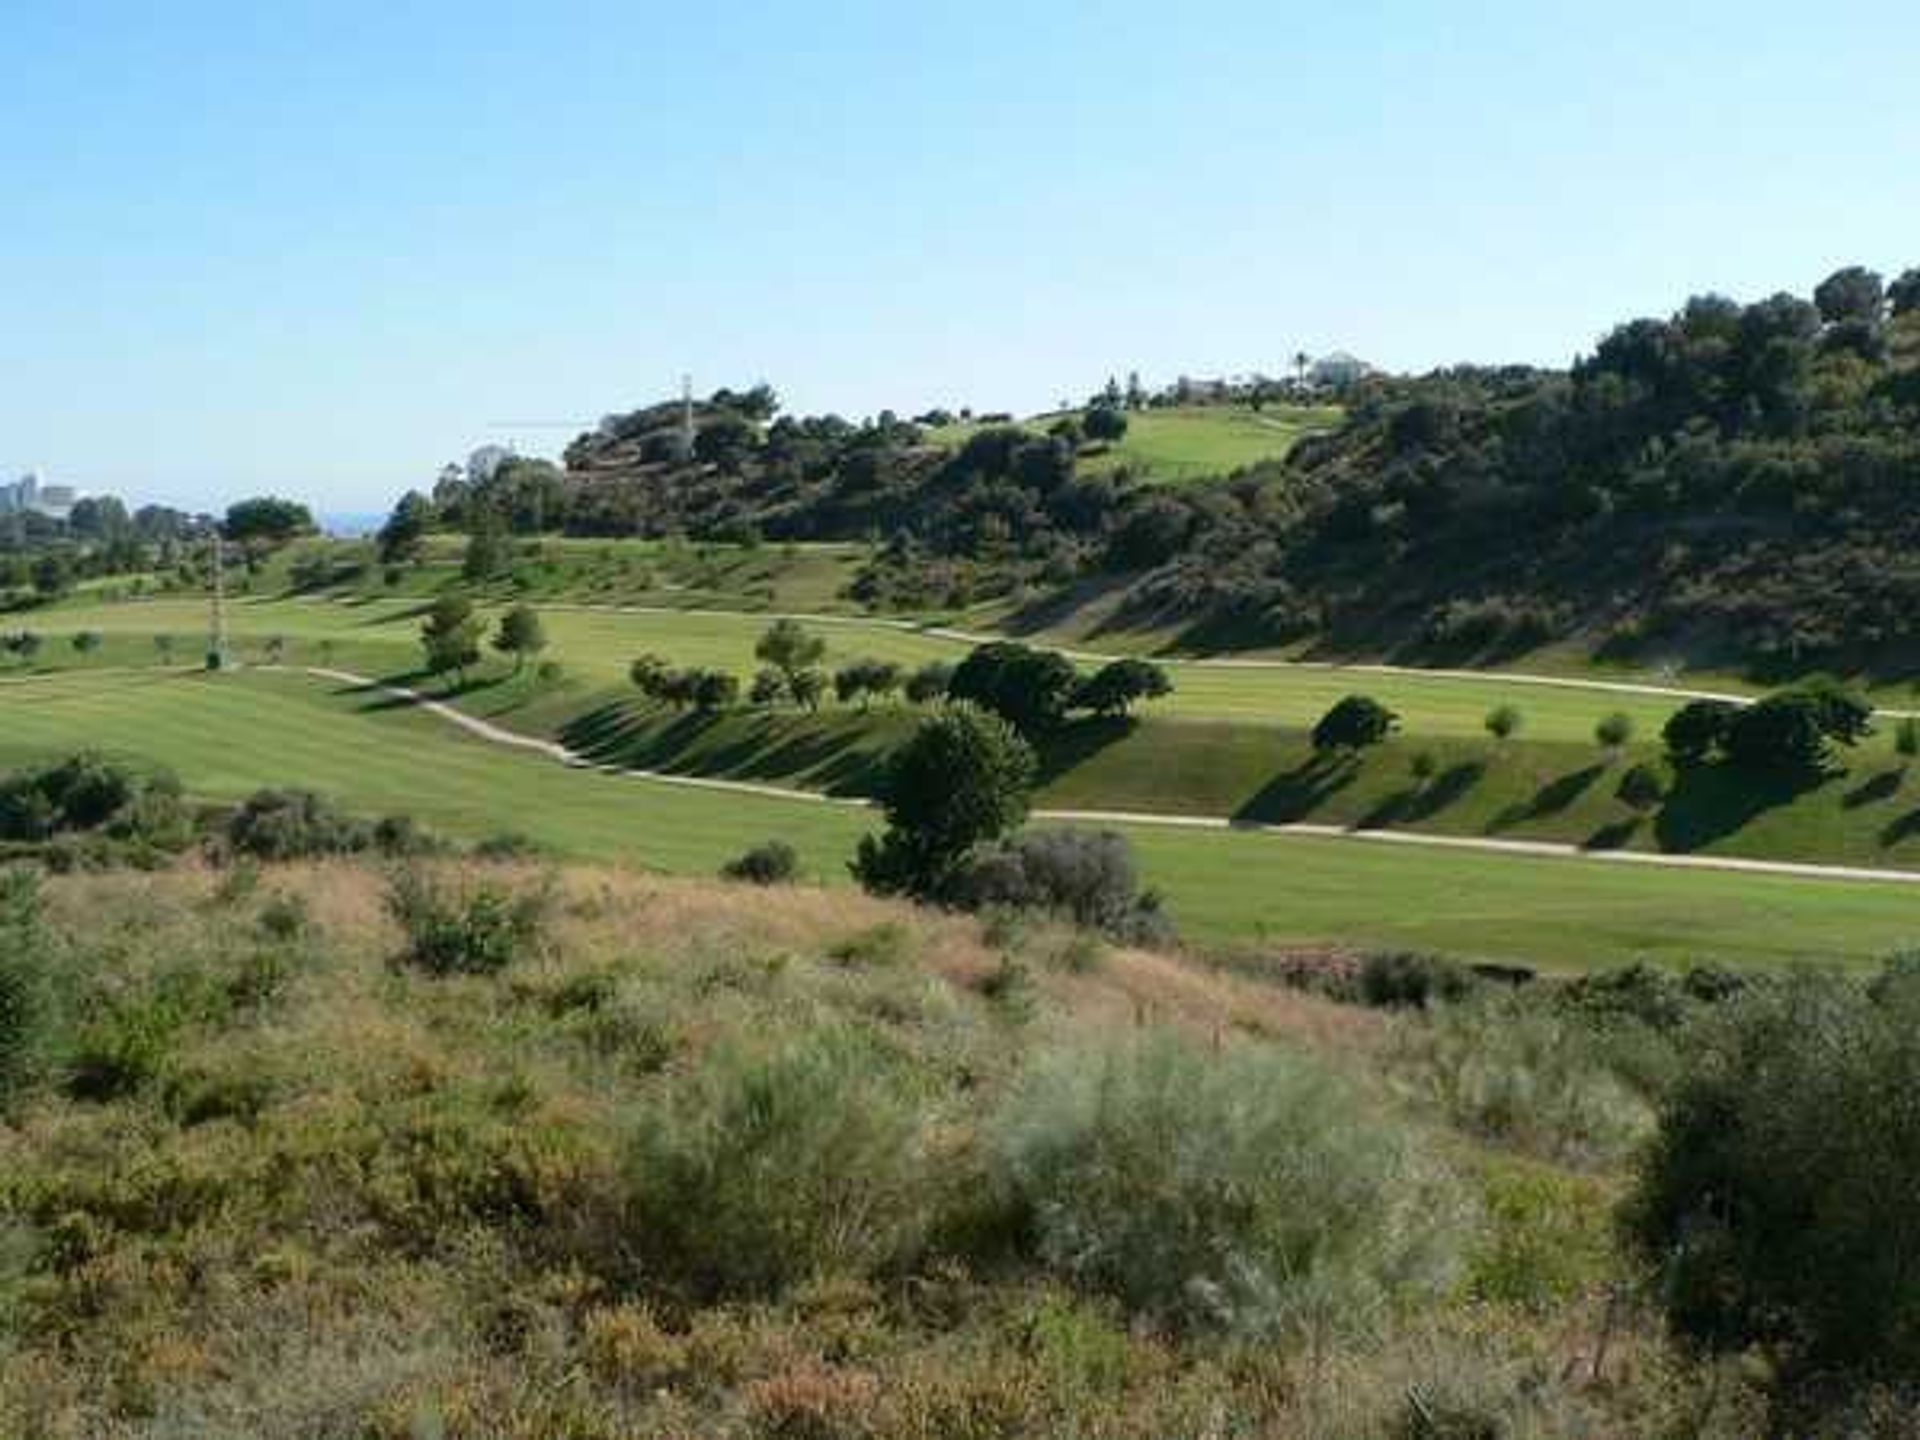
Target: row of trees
<point>452,633</point>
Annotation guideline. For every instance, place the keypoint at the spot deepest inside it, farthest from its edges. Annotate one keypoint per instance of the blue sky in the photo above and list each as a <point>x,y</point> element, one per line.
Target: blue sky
<point>319,249</point>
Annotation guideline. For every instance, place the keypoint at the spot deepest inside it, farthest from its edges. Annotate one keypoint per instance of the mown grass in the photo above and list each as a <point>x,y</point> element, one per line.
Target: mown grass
<point>1185,443</point>
<point>228,735</point>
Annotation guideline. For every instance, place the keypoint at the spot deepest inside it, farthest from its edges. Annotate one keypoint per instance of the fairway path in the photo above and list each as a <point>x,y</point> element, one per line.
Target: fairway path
<point>553,750</point>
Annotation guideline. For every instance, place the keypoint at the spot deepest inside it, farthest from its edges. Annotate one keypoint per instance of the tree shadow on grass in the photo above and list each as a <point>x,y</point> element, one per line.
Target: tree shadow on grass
<point>1297,793</point>
<point>1417,803</point>
<point>1883,786</point>
<point>1709,802</point>
<point>1550,799</point>
<point>1614,836</point>
<point>1895,832</point>
<point>1071,746</point>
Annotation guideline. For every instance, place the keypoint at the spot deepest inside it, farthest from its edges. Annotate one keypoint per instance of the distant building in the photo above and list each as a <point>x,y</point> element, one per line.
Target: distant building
<point>1337,371</point>
<point>31,493</point>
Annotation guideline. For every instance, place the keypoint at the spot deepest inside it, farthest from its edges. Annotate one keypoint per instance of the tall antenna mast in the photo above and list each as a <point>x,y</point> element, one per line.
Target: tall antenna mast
<point>217,645</point>
<point>686,417</point>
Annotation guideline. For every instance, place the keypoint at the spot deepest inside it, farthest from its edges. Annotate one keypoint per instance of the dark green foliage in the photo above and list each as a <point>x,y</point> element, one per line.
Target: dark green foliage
<point>770,863</point>
<point>929,682</point>
<point>1503,722</point>
<point>284,825</point>
<point>91,796</point>
<point>1409,979</point>
<point>1086,876</point>
<point>648,674</point>
<point>712,689</point>
<point>1780,734</point>
<point>450,636</point>
<point>1029,689</point>
<point>520,634</point>
<point>266,519</point>
<point>962,779</point>
<point>865,680</point>
<point>1697,729</point>
<point>470,928</point>
<point>789,647</point>
<point>405,533</point>
<point>1613,730</point>
<point>86,642</point>
<point>1353,724</point>
<point>1116,687</point>
<point>1641,789</point>
<point>1104,422</point>
<point>1779,1197</point>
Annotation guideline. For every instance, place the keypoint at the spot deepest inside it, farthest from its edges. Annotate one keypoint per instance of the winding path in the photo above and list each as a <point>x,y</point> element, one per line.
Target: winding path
<point>554,750</point>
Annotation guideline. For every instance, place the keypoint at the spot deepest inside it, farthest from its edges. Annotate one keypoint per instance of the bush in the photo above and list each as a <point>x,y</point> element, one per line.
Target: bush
<point>1085,876</point>
<point>466,929</point>
<point>1613,730</point>
<point>23,977</point>
<point>293,825</point>
<point>1247,1191</point>
<point>1640,788</point>
<point>761,1171</point>
<point>1697,729</point>
<point>929,683</point>
<point>1407,979</point>
<point>1115,688</point>
<point>1353,724</point>
<point>771,863</point>
<point>1778,1198</point>
<point>1503,722</point>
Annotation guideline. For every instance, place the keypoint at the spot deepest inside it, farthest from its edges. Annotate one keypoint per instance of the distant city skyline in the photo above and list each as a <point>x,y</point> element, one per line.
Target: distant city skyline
<point>297,250</point>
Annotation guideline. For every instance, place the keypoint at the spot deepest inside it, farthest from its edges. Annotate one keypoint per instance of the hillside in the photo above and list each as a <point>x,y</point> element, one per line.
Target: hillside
<point>667,1158</point>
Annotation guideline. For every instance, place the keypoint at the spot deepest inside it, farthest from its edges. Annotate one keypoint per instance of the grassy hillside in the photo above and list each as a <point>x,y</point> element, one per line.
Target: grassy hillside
<point>752,1165</point>
<point>1175,444</point>
<point>226,736</point>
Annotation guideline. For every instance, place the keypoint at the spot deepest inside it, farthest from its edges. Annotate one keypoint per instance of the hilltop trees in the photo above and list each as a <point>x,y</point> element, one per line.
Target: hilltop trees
<point>961,780</point>
<point>267,520</point>
<point>405,534</point>
<point>1105,421</point>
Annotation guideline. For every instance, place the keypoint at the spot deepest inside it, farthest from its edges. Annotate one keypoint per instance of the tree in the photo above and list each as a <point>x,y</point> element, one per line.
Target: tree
<point>789,647</point>
<point>1613,731</point>
<point>648,674</point>
<point>405,534</point>
<point>1503,722</point>
<point>725,441</point>
<point>450,636</point>
<point>25,644</point>
<point>1696,730</point>
<point>808,686</point>
<point>769,687</point>
<point>1030,689</point>
<point>1852,294</point>
<point>1780,733</point>
<point>1906,737</point>
<point>1640,788</point>
<point>1353,724</point>
<point>520,635</point>
<point>1903,295</point>
<point>929,682</point>
<point>715,690</point>
<point>266,519</point>
<point>1105,422</point>
<point>961,780</point>
<point>1113,689</point>
<point>86,642</point>
<point>52,575</point>
<point>864,679</point>
<point>488,549</point>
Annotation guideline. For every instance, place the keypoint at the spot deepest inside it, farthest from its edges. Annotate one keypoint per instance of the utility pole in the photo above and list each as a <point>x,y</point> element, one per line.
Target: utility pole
<point>217,644</point>
<point>686,417</point>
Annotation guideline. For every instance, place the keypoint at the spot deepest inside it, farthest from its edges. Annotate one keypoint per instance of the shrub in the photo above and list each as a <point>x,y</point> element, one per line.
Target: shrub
<point>23,977</point>
<point>1503,722</point>
<point>763,1170</point>
<point>1246,1191</point>
<point>1083,875</point>
<point>1906,737</point>
<point>1523,1076</point>
<point>1353,724</point>
<point>1778,1196</point>
<point>1115,688</point>
<point>1407,979</point>
<point>1613,731</point>
<point>929,682</point>
<point>465,929</point>
<point>771,863</point>
<point>508,845</point>
<point>293,825</point>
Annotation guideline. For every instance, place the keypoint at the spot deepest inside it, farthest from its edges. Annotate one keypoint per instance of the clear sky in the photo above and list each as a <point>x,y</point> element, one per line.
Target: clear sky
<point>319,249</point>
